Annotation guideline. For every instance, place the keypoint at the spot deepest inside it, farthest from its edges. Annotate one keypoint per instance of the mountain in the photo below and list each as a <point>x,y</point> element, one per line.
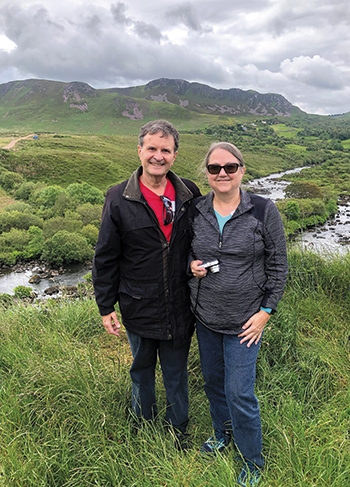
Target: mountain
<point>51,105</point>
<point>205,99</point>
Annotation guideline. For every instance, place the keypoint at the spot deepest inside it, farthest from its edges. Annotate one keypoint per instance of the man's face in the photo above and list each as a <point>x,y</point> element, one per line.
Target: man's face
<point>157,155</point>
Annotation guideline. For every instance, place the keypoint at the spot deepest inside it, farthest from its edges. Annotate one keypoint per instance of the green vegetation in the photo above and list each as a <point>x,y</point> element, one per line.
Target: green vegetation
<point>59,181</point>
<point>65,387</point>
<point>65,396</point>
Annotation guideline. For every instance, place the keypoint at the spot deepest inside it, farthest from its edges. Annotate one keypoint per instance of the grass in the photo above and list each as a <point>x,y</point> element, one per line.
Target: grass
<point>65,396</point>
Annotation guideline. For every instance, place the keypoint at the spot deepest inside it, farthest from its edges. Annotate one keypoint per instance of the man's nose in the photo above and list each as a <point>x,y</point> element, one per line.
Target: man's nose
<point>158,155</point>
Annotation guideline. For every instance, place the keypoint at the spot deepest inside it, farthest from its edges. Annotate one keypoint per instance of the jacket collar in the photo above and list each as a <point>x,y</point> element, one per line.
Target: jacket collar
<point>132,189</point>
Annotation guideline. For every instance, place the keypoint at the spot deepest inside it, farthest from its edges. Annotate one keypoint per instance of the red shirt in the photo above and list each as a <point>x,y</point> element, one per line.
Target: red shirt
<point>157,205</point>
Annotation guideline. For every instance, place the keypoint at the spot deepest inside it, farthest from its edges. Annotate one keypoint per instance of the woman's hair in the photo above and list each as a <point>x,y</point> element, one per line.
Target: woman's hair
<point>232,149</point>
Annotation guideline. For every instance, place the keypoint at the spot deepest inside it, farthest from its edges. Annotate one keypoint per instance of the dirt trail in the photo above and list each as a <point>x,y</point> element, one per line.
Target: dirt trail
<point>14,142</point>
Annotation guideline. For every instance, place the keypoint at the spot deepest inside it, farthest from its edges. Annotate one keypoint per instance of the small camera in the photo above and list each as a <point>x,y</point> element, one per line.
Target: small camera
<point>212,266</point>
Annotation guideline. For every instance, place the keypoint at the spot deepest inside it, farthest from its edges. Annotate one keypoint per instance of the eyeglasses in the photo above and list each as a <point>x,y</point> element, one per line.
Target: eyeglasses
<point>229,168</point>
<point>168,210</point>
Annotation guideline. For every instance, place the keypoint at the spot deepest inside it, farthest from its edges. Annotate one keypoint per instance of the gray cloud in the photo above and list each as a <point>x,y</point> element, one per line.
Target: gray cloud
<point>276,46</point>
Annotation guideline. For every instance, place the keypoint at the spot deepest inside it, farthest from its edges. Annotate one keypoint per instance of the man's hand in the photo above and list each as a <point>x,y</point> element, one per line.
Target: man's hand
<point>111,323</point>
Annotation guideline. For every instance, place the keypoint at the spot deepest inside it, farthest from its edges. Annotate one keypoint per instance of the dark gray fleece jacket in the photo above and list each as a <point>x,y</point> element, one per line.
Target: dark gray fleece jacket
<point>253,262</point>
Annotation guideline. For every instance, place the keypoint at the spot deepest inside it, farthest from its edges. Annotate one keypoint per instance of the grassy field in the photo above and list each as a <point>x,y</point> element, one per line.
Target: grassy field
<point>65,396</point>
<point>65,388</point>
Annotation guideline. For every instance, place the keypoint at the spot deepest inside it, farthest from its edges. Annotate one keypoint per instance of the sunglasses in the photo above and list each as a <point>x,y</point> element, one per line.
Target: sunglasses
<point>168,210</point>
<point>229,168</point>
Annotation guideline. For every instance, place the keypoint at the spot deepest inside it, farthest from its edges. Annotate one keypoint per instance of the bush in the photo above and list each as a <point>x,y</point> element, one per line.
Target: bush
<point>65,247</point>
<point>11,180</point>
<point>35,243</point>
<point>85,193</point>
<point>19,220</point>
<point>23,292</point>
<point>13,240</point>
<point>90,214</point>
<point>25,190</point>
<point>47,197</point>
<point>58,223</point>
<point>90,232</point>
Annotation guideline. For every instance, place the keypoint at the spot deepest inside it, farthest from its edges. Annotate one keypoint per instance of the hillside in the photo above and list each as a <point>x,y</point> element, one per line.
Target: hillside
<point>41,105</point>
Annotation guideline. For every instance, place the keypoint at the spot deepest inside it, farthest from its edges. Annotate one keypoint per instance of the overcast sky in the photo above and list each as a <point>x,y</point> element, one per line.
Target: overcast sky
<point>298,48</point>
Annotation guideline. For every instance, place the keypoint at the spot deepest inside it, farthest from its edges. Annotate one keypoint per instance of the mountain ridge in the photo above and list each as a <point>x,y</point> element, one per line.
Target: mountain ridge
<point>196,97</point>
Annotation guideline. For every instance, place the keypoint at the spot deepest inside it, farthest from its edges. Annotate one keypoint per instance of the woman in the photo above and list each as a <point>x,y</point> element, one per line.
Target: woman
<point>233,300</point>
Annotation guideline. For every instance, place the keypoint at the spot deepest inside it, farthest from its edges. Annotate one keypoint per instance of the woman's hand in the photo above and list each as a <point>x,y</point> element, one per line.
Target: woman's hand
<point>197,269</point>
<point>254,328</point>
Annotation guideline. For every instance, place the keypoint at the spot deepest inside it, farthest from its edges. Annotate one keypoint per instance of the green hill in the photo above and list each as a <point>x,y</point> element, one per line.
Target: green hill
<point>52,106</point>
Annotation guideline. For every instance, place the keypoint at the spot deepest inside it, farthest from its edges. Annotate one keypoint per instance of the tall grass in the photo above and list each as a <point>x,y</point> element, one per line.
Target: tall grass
<point>65,396</point>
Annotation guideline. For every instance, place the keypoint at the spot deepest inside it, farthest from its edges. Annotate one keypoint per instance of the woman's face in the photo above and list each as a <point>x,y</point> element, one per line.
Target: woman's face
<point>223,182</point>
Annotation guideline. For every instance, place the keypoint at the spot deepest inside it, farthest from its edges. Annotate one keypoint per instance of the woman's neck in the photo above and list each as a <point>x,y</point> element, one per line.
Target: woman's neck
<point>226,204</point>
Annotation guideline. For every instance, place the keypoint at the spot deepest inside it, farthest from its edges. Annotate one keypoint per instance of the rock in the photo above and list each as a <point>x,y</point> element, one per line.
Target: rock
<point>52,290</point>
<point>35,279</point>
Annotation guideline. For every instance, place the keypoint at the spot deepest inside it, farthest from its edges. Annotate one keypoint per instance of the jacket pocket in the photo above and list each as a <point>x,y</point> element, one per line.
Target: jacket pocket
<point>140,301</point>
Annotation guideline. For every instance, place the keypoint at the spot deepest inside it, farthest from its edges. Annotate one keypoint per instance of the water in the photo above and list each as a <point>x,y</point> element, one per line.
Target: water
<point>72,275</point>
<point>330,238</point>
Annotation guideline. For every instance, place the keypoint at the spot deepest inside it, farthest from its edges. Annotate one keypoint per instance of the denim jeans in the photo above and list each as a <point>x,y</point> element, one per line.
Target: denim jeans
<point>229,370</point>
<point>173,364</point>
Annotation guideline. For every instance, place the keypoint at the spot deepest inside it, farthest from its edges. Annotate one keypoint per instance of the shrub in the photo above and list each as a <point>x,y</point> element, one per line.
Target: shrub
<point>11,180</point>
<point>303,189</point>
<point>23,292</point>
<point>89,213</point>
<point>35,243</point>
<point>59,223</point>
<point>47,197</point>
<point>85,193</point>
<point>90,232</point>
<point>19,220</point>
<point>65,247</point>
<point>25,190</point>
<point>13,240</point>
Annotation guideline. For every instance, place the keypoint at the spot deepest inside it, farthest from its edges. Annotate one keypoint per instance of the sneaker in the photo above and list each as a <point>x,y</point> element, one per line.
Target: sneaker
<point>182,441</point>
<point>250,475</point>
<point>216,443</point>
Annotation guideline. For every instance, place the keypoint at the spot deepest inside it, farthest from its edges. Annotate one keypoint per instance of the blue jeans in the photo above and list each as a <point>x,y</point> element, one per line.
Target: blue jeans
<point>173,363</point>
<point>229,370</point>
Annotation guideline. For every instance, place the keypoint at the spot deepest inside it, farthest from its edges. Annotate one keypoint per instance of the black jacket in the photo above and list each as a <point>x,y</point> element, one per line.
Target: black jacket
<point>135,266</point>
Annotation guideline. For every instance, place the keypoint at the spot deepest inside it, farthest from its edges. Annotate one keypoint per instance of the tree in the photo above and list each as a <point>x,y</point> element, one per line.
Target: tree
<point>58,223</point>
<point>292,210</point>
<point>47,197</point>
<point>11,180</point>
<point>303,189</point>
<point>85,193</point>
<point>66,248</point>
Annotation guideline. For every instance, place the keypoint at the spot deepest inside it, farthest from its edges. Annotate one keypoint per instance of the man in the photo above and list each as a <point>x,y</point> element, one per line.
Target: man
<point>141,263</point>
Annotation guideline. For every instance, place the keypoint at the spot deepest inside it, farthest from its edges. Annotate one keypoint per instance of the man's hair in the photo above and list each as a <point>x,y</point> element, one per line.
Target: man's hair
<point>157,126</point>
<point>232,149</point>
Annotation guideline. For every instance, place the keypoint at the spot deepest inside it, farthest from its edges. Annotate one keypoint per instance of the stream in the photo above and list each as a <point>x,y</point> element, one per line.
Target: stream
<point>72,275</point>
<point>332,237</point>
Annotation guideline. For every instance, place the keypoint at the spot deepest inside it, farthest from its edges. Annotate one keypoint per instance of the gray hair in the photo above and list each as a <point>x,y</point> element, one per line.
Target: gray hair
<point>232,149</point>
<point>157,126</point>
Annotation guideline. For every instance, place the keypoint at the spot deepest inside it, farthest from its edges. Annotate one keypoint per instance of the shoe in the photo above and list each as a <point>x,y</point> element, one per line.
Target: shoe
<point>250,475</point>
<point>216,443</point>
<point>182,441</point>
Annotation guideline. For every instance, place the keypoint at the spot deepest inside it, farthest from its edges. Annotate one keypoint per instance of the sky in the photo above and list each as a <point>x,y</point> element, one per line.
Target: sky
<point>297,48</point>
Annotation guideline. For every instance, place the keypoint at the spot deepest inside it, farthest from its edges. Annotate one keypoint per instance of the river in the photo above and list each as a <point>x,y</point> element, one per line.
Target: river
<point>328,238</point>
<point>71,277</point>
